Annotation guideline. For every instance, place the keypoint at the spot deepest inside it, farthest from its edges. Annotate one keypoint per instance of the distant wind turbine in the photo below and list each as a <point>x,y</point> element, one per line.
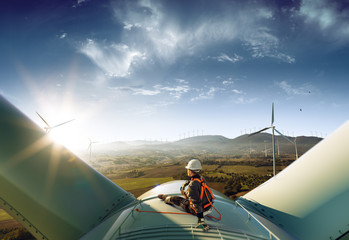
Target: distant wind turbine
<point>273,136</point>
<point>295,146</point>
<point>48,128</point>
<point>90,147</point>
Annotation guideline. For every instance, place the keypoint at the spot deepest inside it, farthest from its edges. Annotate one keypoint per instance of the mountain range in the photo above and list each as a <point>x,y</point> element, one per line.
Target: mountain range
<point>243,145</point>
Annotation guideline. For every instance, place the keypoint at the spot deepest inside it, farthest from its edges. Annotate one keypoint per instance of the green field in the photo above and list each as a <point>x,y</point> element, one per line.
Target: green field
<point>138,183</point>
<point>243,169</point>
<point>216,170</point>
<point>4,216</point>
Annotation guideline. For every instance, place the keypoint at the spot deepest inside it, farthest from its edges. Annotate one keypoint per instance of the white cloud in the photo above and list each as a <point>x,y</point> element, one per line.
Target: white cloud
<point>79,3</point>
<point>64,35</point>
<point>175,91</point>
<point>265,13</point>
<point>318,12</point>
<point>146,92</point>
<point>136,91</point>
<point>227,82</point>
<point>305,89</point>
<point>166,38</point>
<point>242,100</point>
<point>237,91</point>
<point>114,59</point>
<point>224,57</point>
<point>129,26</point>
<point>263,44</point>
<point>181,81</point>
<point>206,95</point>
<point>327,16</point>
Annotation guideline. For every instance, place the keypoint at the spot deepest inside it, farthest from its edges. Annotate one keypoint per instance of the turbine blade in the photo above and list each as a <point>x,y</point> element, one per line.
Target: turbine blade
<point>259,131</point>
<point>43,120</point>
<point>272,114</point>
<point>62,123</point>
<point>284,136</point>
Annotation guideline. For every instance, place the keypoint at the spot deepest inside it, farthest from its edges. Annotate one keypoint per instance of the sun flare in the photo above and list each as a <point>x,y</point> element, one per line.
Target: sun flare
<point>70,135</point>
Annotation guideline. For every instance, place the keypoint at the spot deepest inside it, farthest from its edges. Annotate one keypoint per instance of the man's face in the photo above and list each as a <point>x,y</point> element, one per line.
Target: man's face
<point>188,172</point>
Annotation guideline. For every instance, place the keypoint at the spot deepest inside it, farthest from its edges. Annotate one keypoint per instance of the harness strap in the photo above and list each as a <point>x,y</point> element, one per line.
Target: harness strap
<point>203,188</point>
<point>206,205</point>
<point>220,216</point>
<point>200,181</point>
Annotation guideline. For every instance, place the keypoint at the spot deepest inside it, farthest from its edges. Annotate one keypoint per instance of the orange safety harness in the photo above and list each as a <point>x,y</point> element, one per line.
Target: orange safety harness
<point>204,189</point>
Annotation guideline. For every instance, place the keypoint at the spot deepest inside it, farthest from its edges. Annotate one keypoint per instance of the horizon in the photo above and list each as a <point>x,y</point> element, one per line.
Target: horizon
<point>140,143</point>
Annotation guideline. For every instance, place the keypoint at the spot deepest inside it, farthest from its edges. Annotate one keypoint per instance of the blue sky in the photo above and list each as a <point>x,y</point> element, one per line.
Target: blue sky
<point>127,70</point>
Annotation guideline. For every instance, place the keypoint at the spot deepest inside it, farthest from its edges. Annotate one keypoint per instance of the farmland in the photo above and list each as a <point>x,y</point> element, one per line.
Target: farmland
<point>4,216</point>
<point>220,172</point>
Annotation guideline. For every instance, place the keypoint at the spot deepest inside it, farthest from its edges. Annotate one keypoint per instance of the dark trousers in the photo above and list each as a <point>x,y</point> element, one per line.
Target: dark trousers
<point>183,203</point>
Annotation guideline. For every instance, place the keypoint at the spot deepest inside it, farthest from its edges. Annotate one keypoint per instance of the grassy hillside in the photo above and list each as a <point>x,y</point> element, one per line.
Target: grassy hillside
<point>4,216</point>
<point>215,144</point>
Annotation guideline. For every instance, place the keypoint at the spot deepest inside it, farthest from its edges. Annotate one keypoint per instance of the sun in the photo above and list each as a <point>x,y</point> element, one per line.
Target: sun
<point>70,135</point>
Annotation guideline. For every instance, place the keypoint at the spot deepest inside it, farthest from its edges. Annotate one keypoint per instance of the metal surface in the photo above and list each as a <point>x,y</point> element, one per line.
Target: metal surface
<point>169,222</point>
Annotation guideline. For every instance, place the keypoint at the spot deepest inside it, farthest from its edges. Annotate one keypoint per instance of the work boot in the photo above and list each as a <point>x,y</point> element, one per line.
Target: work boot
<point>162,196</point>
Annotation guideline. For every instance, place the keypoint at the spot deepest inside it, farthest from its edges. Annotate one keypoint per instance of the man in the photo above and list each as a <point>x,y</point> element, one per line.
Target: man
<point>198,197</point>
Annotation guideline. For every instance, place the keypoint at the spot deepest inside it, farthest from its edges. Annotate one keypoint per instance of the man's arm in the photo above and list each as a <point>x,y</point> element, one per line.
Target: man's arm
<point>186,183</point>
<point>193,194</point>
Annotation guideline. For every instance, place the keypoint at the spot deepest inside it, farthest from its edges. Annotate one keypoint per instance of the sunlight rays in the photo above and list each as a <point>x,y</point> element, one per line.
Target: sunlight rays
<point>58,100</point>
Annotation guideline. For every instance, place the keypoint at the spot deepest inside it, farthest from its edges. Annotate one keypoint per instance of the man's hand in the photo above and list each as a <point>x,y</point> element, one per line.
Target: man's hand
<point>183,187</point>
<point>186,183</point>
<point>201,224</point>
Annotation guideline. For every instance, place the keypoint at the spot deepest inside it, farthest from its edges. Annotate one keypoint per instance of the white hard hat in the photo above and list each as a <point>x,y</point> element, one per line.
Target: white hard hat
<point>194,165</point>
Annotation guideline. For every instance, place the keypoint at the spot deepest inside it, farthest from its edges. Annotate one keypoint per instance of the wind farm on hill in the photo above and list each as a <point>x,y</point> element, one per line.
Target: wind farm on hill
<point>233,166</point>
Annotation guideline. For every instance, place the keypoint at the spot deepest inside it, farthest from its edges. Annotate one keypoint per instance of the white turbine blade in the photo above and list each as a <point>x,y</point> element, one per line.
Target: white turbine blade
<point>283,136</point>
<point>272,114</point>
<point>317,214</point>
<point>259,131</point>
<point>62,123</point>
<point>48,126</point>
